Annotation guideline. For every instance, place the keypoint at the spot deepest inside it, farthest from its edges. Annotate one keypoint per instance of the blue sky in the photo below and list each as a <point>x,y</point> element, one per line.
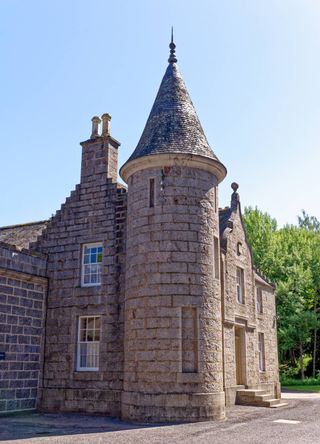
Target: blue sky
<point>251,67</point>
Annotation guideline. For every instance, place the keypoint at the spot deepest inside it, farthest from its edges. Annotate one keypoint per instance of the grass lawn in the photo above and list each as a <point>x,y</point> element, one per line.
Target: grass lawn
<point>302,388</point>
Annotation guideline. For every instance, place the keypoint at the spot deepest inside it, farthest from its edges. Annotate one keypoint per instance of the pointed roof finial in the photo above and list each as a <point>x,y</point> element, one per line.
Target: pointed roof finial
<point>234,186</point>
<point>235,199</point>
<point>172,58</point>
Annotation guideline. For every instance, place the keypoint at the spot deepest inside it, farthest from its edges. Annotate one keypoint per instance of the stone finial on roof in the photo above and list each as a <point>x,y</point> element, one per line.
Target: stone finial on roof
<point>235,196</point>
<point>234,186</point>
<point>172,58</point>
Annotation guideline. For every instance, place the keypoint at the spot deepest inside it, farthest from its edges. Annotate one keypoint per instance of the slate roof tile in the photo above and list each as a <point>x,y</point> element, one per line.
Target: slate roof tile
<point>21,236</point>
<point>173,125</point>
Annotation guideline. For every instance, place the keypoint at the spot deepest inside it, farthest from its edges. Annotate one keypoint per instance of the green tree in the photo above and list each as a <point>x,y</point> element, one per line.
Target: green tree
<point>260,229</point>
<point>310,223</point>
<point>295,294</point>
<point>290,257</point>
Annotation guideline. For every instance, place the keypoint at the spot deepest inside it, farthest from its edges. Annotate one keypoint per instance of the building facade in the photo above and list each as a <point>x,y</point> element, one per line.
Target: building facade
<point>143,299</point>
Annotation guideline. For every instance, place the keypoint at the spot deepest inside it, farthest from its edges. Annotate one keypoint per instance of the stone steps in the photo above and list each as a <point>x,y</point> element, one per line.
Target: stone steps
<point>258,398</point>
<point>280,404</point>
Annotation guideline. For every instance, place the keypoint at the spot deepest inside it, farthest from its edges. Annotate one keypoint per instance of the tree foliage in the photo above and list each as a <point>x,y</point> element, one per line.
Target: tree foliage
<point>290,257</point>
<point>260,230</point>
<point>310,223</point>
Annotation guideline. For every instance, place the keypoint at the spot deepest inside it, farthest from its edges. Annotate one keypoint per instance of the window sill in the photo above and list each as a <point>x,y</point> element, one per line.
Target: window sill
<point>83,291</point>
<point>86,375</point>
<point>83,370</point>
<point>90,285</point>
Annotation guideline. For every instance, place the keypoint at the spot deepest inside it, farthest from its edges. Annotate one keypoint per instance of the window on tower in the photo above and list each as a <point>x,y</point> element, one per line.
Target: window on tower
<point>216,199</point>
<point>151,193</point>
<point>189,340</point>
<point>216,257</point>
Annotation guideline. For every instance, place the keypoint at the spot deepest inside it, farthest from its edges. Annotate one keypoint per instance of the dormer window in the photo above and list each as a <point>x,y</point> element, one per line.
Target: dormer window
<point>91,265</point>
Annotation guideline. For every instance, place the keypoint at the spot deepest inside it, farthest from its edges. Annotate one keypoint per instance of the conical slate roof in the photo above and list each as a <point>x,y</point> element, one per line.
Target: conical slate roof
<point>173,125</point>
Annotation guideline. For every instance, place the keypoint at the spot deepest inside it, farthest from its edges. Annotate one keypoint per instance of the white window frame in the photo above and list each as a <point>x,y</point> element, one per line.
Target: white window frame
<point>97,264</point>
<point>261,350</point>
<point>240,285</point>
<point>95,344</point>
<point>259,300</point>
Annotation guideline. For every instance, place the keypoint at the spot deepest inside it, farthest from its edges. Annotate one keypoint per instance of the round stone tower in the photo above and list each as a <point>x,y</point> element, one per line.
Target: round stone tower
<point>173,368</point>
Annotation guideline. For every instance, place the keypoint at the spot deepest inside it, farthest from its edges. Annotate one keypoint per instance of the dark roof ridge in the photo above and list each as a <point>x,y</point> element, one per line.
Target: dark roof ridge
<point>27,224</point>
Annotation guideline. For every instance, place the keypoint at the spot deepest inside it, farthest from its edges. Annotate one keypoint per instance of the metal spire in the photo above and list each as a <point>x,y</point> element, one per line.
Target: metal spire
<point>172,58</point>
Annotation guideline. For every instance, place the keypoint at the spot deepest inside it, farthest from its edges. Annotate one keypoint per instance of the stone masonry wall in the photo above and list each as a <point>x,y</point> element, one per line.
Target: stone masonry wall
<point>245,317</point>
<point>23,289</point>
<point>169,268</point>
<point>95,212</point>
<point>266,324</point>
<point>99,157</point>
<point>235,314</point>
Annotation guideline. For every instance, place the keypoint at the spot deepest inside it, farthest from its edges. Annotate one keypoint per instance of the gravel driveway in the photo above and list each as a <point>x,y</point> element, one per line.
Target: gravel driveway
<point>299,422</point>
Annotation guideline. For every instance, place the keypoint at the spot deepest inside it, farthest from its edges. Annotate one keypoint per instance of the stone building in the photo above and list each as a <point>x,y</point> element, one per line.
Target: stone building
<point>141,301</point>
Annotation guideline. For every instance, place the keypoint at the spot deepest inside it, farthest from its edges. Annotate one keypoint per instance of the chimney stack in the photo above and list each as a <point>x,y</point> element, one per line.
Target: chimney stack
<point>99,153</point>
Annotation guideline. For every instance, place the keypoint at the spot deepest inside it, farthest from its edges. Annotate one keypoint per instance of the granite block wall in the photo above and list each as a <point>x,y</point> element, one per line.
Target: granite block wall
<point>95,212</point>
<point>23,287</point>
<point>267,324</point>
<point>172,298</point>
<point>244,316</point>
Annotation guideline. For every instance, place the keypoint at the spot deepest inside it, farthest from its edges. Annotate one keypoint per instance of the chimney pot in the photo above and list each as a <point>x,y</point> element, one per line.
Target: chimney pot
<point>106,124</point>
<point>95,127</point>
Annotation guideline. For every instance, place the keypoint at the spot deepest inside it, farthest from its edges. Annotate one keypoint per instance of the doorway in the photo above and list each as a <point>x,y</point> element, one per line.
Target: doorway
<point>240,355</point>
